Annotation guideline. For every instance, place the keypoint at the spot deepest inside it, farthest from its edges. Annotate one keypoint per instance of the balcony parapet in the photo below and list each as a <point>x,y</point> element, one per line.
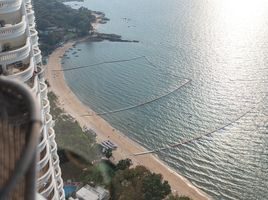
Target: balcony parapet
<point>13,31</point>
<point>46,106</point>
<point>34,36</point>
<point>45,177</point>
<point>43,90</point>
<point>57,172</point>
<point>35,87</point>
<point>51,134</point>
<point>19,54</point>
<point>60,184</point>
<point>62,196</point>
<point>49,189</point>
<point>53,147</point>
<point>40,72</point>
<point>37,54</point>
<point>25,74</point>
<point>8,6</point>
<point>30,15</point>
<point>43,161</point>
<point>49,121</point>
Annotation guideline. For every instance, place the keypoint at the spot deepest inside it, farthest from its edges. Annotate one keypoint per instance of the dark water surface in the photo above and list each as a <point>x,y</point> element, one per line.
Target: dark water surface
<point>221,46</point>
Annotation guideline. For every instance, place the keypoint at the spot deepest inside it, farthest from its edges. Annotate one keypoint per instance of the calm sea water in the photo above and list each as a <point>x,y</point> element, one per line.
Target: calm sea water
<point>222,46</point>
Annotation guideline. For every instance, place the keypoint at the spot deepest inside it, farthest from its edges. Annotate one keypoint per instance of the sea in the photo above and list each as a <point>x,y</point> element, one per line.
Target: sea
<point>220,48</point>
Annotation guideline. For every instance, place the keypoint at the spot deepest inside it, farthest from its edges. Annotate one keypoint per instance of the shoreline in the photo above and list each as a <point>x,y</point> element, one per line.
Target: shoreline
<point>126,147</point>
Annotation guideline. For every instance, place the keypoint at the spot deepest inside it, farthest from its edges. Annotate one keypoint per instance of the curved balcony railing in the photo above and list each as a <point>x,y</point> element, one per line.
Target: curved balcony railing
<point>49,121</point>
<point>19,54</point>
<point>37,54</point>
<point>60,184</point>
<point>48,190</point>
<point>61,193</point>
<point>43,90</point>
<point>53,147</point>
<point>51,134</point>
<point>8,6</point>
<point>56,162</point>
<point>44,176</point>
<point>34,36</point>
<point>25,74</point>
<point>30,15</point>
<point>44,160</point>
<point>35,85</point>
<point>42,145</point>
<point>57,172</point>
<point>40,72</point>
<point>13,31</point>
<point>46,106</point>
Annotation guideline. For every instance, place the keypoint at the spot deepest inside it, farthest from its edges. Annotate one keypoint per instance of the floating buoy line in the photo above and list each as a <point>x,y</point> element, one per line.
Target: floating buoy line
<point>189,141</point>
<point>187,81</point>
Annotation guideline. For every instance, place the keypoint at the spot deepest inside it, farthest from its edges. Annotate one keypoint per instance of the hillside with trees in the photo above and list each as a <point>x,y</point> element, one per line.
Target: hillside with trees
<point>57,22</point>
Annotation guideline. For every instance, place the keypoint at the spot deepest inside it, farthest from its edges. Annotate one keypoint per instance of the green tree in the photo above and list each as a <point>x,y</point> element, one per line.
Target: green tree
<point>108,153</point>
<point>134,183</point>
<point>155,188</point>
<point>124,164</point>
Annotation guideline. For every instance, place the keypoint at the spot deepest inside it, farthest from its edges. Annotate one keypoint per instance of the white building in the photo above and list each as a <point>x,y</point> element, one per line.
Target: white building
<point>92,193</point>
<point>20,58</point>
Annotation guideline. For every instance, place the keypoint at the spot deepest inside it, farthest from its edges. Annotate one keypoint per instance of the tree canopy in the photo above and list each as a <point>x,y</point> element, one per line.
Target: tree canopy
<point>124,164</point>
<point>138,183</point>
<point>55,15</point>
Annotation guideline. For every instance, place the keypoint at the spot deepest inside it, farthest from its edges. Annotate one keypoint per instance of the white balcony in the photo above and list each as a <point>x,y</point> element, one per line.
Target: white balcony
<point>45,175</point>
<point>34,36</point>
<point>43,90</point>
<point>8,6</point>
<point>23,73</point>
<point>60,184</point>
<point>37,55</point>
<point>51,134</point>
<point>62,196</point>
<point>44,159</point>
<point>12,31</point>
<point>35,85</point>
<point>49,121</point>
<point>57,172</point>
<point>46,106</point>
<point>53,147</point>
<point>56,162</point>
<point>30,15</point>
<point>48,190</point>
<point>15,55</point>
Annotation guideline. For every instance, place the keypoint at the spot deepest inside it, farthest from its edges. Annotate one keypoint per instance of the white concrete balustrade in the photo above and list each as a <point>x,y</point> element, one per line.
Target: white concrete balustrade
<point>34,37</point>
<point>12,31</point>
<point>26,74</point>
<point>30,15</point>
<point>37,54</point>
<point>19,54</point>
<point>9,6</point>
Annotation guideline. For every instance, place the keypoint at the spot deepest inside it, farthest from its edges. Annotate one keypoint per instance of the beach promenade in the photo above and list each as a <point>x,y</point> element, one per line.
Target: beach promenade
<point>126,147</point>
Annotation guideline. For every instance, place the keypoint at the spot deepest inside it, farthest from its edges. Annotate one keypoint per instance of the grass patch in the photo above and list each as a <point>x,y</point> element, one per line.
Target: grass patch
<point>70,136</point>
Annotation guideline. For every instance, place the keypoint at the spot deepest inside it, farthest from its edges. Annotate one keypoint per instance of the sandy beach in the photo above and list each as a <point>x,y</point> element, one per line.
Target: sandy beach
<point>126,147</point>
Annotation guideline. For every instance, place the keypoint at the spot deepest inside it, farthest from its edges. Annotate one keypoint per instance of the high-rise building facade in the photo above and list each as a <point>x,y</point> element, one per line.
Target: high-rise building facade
<point>20,58</point>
